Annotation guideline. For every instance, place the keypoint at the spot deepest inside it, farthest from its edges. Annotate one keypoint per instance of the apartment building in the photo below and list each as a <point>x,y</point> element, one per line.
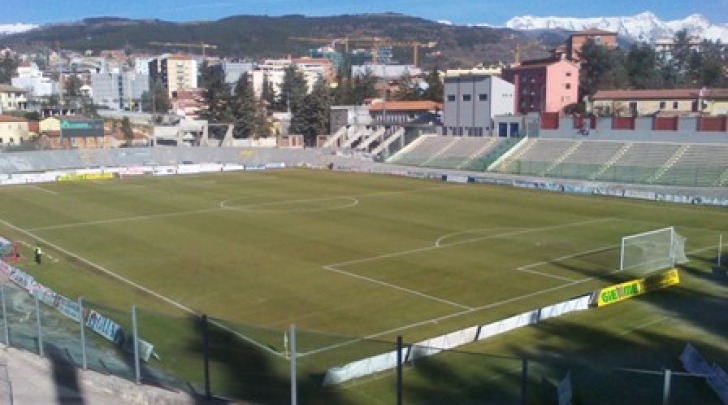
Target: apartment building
<point>544,85</point>
<point>175,71</point>
<point>12,98</point>
<point>13,130</point>
<point>119,91</point>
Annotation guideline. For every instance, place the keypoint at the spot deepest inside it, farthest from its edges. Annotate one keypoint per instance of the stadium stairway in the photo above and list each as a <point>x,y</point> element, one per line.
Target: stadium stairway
<point>441,152</point>
<point>334,140</point>
<point>609,163</point>
<point>561,158</point>
<point>669,163</point>
<point>489,145</point>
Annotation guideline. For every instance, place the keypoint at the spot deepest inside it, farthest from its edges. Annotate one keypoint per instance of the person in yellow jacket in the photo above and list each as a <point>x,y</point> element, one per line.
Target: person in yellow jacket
<point>38,254</point>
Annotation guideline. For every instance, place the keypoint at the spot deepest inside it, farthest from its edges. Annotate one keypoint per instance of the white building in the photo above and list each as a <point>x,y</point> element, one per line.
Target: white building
<point>275,71</point>
<point>31,79</point>
<point>386,72</point>
<point>472,101</point>
<point>119,91</point>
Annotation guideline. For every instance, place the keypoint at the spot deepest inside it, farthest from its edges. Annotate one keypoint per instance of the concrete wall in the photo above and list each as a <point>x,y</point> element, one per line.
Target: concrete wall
<point>643,132</point>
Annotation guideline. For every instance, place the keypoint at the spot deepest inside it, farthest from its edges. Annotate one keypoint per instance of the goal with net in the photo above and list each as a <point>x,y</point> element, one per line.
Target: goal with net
<point>651,251</point>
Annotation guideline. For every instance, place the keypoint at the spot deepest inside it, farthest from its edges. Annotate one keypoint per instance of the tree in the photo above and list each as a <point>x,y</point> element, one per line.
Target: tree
<point>8,67</point>
<point>267,94</point>
<point>216,96</point>
<point>160,98</point>
<point>363,87</point>
<point>293,93</point>
<point>243,108</point>
<point>315,115</point>
<point>73,85</point>
<point>127,131</point>
<point>711,70</point>
<point>435,87</point>
<point>643,67</point>
<point>407,89</point>
<point>601,68</point>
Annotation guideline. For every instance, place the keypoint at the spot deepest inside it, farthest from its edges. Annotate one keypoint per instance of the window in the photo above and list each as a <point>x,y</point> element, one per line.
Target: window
<point>662,105</point>
<point>568,74</point>
<point>466,97</point>
<point>450,97</point>
<point>482,97</point>
<point>674,105</point>
<point>568,86</point>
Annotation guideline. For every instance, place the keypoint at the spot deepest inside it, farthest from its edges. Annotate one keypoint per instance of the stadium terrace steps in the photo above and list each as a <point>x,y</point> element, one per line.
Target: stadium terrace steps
<point>670,162</point>
<point>699,164</point>
<point>484,149</point>
<point>366,142</point>
<point>624,147</point>
<point>333,140</point>
<point>563,157</point>
<point>388,140</point>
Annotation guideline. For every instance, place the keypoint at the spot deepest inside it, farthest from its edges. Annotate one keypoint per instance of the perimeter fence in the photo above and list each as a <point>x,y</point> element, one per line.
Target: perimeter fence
<point>214,358</point>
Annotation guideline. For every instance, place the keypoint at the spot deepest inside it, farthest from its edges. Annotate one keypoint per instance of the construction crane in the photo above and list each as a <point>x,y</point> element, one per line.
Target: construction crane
<point>374,42</point>
<point>200,45</point>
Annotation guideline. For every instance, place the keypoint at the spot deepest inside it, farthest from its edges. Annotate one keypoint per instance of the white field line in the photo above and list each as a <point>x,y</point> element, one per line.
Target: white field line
<point>464,241</point>
<point>396,287</point>
<point>123,219</point>
<point>136,285</point>
<point>446,317</point>
<point>39,188</point>
<point>571,256</point>
<point>222,206</point>
<point>642,326</point>
<point>460,313</point>
<point>547,275</point>
<point>335,267</point>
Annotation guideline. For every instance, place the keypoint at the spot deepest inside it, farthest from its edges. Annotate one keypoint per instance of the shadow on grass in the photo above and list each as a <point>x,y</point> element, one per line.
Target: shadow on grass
<point>240,370</point>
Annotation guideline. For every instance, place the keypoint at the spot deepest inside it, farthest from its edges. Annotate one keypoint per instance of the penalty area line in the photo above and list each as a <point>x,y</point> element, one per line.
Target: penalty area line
<point>136,285</point>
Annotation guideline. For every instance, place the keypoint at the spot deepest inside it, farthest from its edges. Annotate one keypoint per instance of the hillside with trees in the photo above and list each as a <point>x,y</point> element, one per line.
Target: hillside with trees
<point>256,37</point>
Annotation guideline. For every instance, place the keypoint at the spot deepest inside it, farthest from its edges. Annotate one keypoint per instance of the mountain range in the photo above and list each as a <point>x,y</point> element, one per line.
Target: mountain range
<point>641,27</point>
<point>259,37</point>
<point>645,26</point>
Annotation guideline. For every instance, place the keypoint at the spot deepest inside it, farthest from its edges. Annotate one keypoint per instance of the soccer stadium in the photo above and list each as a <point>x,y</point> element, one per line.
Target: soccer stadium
<point>448,270</point>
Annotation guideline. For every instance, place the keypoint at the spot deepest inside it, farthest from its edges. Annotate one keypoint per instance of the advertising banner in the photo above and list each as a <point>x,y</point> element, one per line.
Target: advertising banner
<point>104,327</point>
<point>633,288</point>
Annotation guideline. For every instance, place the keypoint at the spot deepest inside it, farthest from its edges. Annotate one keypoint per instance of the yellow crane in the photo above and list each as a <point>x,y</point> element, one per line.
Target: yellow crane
<point>374,42</point>
<point>203,46</point>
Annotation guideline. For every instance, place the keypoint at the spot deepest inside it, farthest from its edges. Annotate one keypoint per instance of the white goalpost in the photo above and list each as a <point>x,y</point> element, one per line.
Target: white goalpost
<point>651,251</point>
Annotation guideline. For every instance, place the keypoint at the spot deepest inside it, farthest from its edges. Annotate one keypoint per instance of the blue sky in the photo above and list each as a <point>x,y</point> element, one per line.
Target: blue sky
<point>457,11</point>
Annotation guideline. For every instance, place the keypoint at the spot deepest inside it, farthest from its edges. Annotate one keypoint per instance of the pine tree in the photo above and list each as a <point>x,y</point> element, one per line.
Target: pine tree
<point>315,116</point>
<point>293,92</point>
<point>435,86</point>
<point>216,96</point>
<point>243,108</point>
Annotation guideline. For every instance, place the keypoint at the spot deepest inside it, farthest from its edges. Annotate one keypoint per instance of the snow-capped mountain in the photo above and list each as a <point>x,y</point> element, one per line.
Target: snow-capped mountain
<point>15,28</point>
<point>641,27</point>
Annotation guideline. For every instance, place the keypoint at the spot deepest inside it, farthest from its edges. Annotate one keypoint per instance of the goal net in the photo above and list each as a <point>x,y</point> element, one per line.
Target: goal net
<point>651,251</point>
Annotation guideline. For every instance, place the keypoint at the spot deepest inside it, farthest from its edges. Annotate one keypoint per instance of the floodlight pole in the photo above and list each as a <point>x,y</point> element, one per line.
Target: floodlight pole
<point>6,328</point>
<point>294,354</point>
<point>720,250</point>
<point>82,326</point>
<point>666,387</point>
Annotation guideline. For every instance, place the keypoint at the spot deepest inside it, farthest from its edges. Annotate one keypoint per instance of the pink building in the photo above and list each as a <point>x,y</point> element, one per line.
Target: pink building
<point>544,85</point>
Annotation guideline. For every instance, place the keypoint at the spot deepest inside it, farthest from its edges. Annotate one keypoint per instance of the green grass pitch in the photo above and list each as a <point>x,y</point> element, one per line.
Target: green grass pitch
<point>353,260</point>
